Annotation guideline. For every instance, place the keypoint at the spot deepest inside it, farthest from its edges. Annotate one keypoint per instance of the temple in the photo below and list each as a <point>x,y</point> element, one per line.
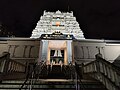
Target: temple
<point>57,56</point>
<point>62,22</point>
<point>57,29</point>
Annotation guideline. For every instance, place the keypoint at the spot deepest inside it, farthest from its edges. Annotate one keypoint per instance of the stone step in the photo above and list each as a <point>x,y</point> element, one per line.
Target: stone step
<point>13,76</point>
<point>49,84</point>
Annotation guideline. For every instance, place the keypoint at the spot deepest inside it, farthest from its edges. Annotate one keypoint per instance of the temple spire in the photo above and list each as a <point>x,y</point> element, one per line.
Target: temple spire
<point>64,22</point>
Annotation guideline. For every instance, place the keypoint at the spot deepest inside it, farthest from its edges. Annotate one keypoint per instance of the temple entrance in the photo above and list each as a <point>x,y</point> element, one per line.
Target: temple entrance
<point>57,56</point>
<point>57,52</point>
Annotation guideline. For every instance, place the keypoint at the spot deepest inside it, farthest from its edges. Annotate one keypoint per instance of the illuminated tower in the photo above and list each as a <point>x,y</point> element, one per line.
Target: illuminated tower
<point>63,22</point>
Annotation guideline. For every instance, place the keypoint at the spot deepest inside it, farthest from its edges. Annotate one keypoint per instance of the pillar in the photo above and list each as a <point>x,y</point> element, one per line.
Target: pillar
<point>30,51</point>
<point>65,57</point>
<point>24,50</point>
<point>48,56</point>
<point>15,46</point>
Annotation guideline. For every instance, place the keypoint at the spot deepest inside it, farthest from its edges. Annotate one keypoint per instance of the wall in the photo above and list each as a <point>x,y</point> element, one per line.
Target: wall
<point>21,48</point>
<point>85,50</point>
<point>112,51</point>
<point>3,46</point>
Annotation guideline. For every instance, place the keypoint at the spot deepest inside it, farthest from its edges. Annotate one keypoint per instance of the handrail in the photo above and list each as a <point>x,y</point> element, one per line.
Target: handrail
<point>75,75</point>
<point>105,72</point>
<point>66,71</point>
<point>41,64</point>
<point>79,77</point>
<point>4,54</point>
<point>4,59</point>
<point>40,67</point>
<point>72,69</point>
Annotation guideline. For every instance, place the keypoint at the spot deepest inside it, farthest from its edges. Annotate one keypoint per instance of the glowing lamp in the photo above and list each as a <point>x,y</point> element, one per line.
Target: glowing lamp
<point>57,23</point>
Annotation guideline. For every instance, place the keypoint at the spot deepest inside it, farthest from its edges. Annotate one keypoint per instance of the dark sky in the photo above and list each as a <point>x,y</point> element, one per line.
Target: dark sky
<point>98,19</point>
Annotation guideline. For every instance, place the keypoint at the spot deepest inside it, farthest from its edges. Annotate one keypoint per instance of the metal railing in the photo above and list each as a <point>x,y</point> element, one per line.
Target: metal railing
<point>67,71</point>
<point>73,72</point>
<point>105,72</point>
<point>31,77</point>
<point>78,76</point>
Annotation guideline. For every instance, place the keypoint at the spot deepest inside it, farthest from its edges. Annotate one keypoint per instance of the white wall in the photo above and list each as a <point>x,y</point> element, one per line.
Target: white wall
<point>112,51</point>
<point>20,48</point>
<point>3,46</point>
<point>85,51</point>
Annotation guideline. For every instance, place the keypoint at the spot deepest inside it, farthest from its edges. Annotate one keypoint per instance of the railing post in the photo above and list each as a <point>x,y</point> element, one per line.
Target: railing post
<point>77,84</point>
<point>82,70</point>
<point>26,68</point>
<point>97,66</point>
<point>7,59</point>
<point>2,65</point>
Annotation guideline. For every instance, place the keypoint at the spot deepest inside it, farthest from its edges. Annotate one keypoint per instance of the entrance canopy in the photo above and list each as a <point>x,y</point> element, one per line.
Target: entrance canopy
<point>57,44</point>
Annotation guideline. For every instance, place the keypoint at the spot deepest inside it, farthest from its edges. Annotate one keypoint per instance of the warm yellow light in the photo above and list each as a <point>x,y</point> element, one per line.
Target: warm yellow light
<point>57,44</point>
<point>57,23</point>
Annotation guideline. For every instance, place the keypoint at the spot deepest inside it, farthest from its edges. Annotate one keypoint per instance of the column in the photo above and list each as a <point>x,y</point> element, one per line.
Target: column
<point>30,51</point>
<point>15,46</point>
<point>48,56</point>
<point>24,50</point>
<point>73,57</point>
<point>9,48</point>
<point>65,57</point>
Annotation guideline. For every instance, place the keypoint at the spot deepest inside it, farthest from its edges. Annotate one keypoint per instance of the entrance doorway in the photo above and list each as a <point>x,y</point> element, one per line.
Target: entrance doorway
<point>57,52</point>
<point>57,56</point>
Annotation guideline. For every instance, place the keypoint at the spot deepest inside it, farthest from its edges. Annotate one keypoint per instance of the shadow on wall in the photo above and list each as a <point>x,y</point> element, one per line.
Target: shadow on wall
<point>117,61</point>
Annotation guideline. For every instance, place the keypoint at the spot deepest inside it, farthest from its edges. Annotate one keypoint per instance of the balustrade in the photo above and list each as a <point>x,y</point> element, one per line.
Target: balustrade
<point>15,67</point>
<point>105,72</point>
<point>8,66</point>
<point>4,58</point>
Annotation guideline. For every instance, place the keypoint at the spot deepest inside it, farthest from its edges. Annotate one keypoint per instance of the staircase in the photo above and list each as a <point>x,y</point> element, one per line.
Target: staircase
<point>56,72</point>
<point>51,84</point>
<point>40,76</point>
<point>105,72</point>
<point>51,80</point>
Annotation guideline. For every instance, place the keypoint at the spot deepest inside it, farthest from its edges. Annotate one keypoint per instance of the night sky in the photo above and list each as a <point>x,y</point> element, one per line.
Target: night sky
<point>98,19</point>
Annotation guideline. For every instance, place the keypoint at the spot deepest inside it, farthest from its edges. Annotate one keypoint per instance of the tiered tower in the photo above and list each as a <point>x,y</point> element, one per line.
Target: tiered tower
<point>62,22</point>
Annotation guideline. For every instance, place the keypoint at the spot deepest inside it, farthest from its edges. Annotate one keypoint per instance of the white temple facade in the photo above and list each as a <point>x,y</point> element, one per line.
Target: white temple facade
<point>63,22</point>
<point>61,28</point>
<point>62,40</point>
<point>52,41</point>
